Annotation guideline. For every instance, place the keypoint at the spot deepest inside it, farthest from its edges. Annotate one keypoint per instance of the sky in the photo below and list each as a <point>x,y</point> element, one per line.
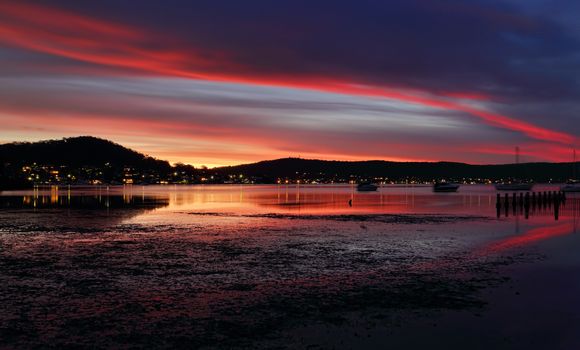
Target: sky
<point>227,82</point>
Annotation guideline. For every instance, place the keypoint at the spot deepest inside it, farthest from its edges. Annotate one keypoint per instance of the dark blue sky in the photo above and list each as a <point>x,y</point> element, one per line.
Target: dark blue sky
<point>367,79</point>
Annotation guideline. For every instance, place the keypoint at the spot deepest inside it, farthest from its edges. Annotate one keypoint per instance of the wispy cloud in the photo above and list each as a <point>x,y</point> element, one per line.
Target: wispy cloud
<point>289,97</point>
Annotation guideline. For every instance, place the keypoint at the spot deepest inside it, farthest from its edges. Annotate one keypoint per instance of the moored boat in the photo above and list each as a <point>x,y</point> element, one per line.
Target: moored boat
<point>570,188</point>
<point>519,186</point>
<point>366,187</point>
<point>573,185</point>
<point>515,186</point>
<point>445,187</point>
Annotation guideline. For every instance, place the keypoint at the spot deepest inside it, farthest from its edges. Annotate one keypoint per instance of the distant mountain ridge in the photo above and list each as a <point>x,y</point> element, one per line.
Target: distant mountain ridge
<point>426,171</point>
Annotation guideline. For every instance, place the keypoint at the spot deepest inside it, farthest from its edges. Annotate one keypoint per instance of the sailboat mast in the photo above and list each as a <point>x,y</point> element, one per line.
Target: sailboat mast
<point>518,170</point>
<point>574,165</point>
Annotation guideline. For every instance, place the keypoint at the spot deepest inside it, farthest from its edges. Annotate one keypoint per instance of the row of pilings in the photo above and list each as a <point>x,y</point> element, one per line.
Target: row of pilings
<point>530,201</point>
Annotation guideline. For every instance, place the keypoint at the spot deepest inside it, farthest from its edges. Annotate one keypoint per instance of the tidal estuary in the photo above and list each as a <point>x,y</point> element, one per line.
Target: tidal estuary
<point>276,266</point>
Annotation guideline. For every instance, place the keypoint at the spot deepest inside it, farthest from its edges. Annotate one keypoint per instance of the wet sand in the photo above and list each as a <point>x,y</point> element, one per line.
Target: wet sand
<point>531,302</point>
<point>188,274</point>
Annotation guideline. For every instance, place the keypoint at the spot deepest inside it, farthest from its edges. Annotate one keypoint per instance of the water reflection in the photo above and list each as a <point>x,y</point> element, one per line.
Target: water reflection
<point>529,237</point>
<point>72,210</point>
<point>92,198</point>
<point>477,200</point>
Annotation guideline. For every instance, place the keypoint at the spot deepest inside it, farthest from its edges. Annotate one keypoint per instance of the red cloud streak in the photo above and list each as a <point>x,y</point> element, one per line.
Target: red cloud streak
<point>85,39</point>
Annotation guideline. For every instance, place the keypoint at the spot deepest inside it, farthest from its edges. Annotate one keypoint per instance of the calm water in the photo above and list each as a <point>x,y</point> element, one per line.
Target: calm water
<point>247,266</point>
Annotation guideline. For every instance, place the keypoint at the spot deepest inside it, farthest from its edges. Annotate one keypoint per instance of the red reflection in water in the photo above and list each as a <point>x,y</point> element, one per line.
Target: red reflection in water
<point>531,236</point>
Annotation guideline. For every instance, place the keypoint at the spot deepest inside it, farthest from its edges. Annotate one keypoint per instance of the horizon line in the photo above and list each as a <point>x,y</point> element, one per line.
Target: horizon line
<point>283,158</point>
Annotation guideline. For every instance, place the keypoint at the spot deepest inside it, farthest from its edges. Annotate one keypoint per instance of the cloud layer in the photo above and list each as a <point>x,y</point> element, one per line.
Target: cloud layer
<point>412,80</point>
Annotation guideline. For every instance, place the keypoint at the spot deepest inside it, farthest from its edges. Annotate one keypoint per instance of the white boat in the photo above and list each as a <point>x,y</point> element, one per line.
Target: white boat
<point>573,185</point>
<point>366,187</point>
<point>445,187</point>
<point>515,186</point>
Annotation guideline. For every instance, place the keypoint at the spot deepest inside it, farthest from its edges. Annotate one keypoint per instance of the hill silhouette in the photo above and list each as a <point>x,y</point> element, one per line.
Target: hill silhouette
<point>294,168</point>
<point>79,151</point>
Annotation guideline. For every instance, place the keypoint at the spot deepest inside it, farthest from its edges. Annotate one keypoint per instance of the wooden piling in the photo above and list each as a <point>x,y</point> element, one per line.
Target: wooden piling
<point>506,210</point>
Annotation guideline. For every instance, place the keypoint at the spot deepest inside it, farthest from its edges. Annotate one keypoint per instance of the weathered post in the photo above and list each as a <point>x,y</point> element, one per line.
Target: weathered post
<point>527,200</point>
<point>507,205</point>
